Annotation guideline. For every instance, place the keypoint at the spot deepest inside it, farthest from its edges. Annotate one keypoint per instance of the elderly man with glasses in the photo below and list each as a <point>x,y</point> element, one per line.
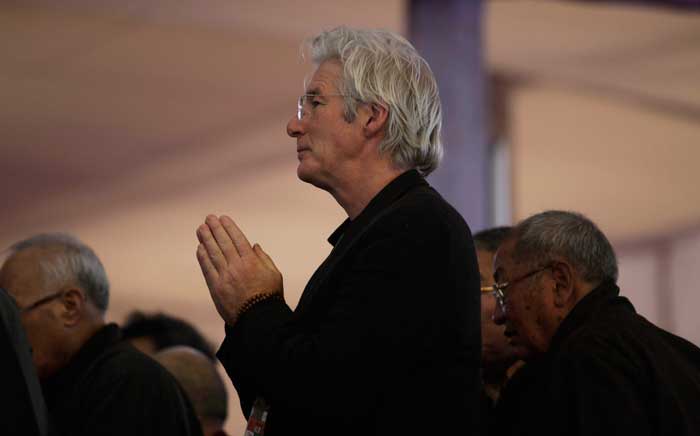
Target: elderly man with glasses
<point>385,339</point>
<point>594,366</point>
<point>93,383</point>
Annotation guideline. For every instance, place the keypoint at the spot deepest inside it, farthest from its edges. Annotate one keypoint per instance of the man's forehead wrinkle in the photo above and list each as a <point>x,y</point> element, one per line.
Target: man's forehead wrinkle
<point>324,80</point>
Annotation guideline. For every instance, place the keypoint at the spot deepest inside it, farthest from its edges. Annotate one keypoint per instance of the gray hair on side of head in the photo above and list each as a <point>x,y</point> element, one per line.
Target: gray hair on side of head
<point>555,234</point>
<point>73,263</point>
<point>380,67</point>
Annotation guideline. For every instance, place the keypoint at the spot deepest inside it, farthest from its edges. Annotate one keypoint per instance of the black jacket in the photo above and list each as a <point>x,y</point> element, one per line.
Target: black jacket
<point>608,371</point>
<point>110,388</point>
<point>386,336</point>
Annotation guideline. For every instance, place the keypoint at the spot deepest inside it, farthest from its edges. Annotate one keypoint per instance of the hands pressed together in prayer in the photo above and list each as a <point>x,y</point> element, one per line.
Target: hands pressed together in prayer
<point>235,271</point>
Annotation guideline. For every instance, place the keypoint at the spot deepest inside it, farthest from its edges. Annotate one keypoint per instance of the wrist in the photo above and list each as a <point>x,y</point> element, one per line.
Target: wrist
<point>253,301</point>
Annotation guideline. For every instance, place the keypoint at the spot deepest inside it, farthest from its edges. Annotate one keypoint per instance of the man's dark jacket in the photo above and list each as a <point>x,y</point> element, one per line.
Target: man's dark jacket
<point>110,388</point>
<point>608,371</point>
<point>386,336</point>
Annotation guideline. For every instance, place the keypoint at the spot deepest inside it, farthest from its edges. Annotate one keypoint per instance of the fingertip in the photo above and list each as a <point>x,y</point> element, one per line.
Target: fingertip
<point>211,220</point>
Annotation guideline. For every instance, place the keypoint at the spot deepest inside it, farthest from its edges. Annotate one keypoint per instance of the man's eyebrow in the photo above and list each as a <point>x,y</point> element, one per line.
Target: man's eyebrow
<point>313,91</point>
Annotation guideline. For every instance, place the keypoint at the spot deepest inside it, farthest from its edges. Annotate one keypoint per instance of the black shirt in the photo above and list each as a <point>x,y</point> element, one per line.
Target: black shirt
<point>110,388</point>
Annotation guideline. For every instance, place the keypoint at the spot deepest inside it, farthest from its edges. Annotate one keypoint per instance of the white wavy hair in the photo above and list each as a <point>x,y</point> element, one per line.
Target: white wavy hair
<point>383,68</point>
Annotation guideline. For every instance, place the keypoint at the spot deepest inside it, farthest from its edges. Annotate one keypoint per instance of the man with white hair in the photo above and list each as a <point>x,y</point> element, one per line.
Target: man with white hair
<point>93,383</point>
<point>385,339</point>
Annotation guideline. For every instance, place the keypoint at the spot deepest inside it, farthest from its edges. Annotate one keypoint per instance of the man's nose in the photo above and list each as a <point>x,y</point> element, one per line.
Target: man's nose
<point>499,315</point>
<point>294,127</point>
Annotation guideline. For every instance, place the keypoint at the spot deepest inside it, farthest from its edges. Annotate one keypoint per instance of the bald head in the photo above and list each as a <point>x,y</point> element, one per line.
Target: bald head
<point>198,376</point>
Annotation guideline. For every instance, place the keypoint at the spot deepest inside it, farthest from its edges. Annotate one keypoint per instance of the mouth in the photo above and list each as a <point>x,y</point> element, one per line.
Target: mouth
<point>300,153</point>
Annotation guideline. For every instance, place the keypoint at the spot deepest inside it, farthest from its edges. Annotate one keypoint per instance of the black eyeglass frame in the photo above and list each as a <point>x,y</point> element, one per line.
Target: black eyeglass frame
<point>41,301</point>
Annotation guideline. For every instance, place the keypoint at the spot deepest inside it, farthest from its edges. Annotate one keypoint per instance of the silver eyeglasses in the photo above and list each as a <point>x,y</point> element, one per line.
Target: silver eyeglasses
<point>498,288</point>
<point>306,103</point>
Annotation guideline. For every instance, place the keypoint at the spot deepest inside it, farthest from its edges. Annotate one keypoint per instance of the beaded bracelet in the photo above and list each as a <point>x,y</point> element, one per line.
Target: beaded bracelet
<point>254,300</point>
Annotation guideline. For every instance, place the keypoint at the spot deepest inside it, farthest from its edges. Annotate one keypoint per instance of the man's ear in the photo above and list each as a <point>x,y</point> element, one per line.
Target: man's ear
<point>564,277</point>
<point>375,122</point>
<point>73,309</point>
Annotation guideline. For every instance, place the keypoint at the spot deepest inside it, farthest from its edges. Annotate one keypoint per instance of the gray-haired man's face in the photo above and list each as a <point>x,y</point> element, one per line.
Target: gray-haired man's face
<point>529,311</point>
<point>327,144</point>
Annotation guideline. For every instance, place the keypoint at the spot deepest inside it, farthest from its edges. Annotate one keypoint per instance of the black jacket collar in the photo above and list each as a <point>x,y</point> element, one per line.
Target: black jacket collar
<point>603,295</point>
<point>395,189</point>
<point>67,376</point>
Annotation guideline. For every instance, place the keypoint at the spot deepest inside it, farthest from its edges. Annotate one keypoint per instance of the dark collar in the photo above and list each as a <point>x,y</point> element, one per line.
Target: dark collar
<point>67,376</point>
<point>395,189</point>
<point>586,309</point>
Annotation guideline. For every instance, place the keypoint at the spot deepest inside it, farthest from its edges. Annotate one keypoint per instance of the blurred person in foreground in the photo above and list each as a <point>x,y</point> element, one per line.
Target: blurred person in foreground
<point>198,376</point>
<point>498,361</point>
<point>385,339</point>
<point>20,384</point>
<point>594,366</point>
<point>93,383</point>
<point>151,333</point>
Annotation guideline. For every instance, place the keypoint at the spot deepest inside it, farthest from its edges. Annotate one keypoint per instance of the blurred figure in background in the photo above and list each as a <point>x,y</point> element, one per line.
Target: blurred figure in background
<point>594,366</point>
<point>93,382</point>
<point>199,378</point>
<point>497,355</point>
<point>151,333</point>
<point>498,360</point>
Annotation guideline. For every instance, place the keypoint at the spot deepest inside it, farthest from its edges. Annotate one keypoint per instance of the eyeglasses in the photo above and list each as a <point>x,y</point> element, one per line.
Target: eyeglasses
<point>499,288</point>
<point>41,302</point>
<point>307,103</point>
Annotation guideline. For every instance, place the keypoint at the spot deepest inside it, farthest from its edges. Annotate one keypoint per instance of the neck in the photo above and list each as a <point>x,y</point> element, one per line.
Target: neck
<point>87,329</point>
<point>362,186</point>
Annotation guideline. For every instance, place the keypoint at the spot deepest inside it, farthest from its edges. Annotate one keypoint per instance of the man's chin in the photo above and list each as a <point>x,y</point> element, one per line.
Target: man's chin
<point>522,352</point>
<point>311,177</point>
<point>519,350</point>
<point>304,174</point>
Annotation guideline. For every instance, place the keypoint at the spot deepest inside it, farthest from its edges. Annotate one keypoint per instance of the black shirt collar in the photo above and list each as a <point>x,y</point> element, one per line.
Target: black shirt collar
<point>395,189</point>
<point>586,309</point>
<point>67,376</point>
